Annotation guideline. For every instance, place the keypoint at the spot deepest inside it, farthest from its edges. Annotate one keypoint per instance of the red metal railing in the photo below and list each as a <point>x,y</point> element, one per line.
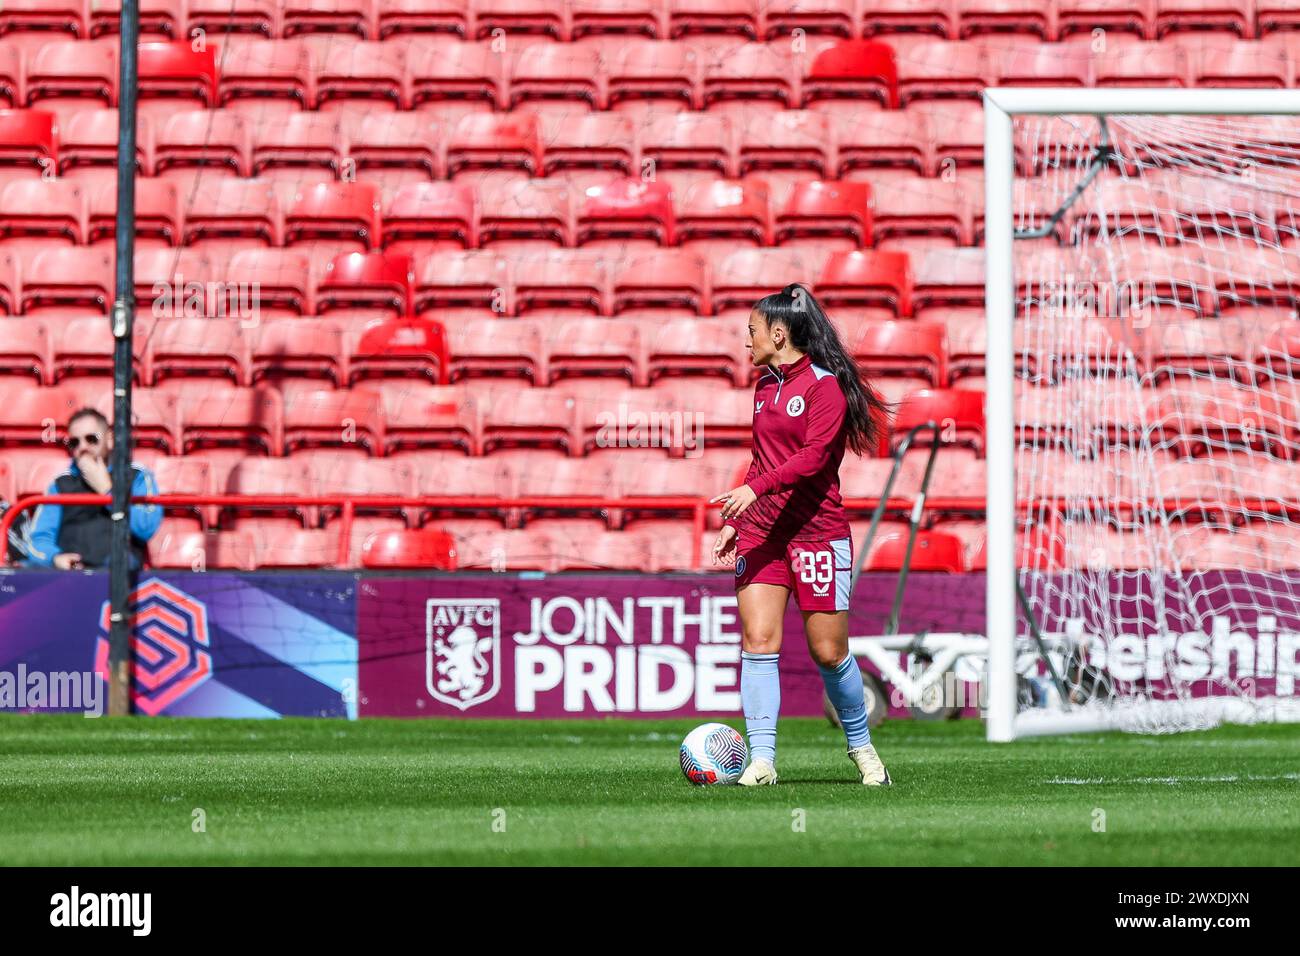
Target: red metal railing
<point>349,504</point>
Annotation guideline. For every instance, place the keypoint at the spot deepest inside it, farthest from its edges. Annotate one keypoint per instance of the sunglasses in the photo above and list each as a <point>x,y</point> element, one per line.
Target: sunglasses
<point>73,442</point>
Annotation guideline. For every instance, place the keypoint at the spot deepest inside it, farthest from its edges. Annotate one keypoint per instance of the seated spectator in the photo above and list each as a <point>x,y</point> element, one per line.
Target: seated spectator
<point>79,536</point>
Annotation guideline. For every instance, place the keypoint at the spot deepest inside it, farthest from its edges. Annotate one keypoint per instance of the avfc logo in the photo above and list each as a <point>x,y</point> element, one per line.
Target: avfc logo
<point>740,565</point>
<point>463,662</point>
<point>169,643</point>
<point>794,407</point>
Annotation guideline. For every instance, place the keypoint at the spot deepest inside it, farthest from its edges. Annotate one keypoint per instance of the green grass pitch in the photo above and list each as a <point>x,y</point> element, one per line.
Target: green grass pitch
<point>88,792</point>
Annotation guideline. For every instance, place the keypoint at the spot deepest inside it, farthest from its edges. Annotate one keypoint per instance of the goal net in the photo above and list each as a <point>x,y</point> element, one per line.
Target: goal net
<point>1152,267</point>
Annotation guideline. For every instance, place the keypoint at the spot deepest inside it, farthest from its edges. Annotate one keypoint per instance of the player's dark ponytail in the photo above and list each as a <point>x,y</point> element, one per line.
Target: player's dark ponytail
<point>812,333</point>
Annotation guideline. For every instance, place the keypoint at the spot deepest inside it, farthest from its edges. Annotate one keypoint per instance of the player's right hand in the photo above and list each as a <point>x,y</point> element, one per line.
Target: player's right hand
<point>67,561</point>
<point>724,549</point>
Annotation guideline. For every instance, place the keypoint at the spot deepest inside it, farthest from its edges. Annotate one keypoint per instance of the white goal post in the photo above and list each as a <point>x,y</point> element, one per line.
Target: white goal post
<point>1201,240</point>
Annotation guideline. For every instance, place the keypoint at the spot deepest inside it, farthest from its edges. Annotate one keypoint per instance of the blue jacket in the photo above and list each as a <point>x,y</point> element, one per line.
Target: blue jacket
<point>43,537</point>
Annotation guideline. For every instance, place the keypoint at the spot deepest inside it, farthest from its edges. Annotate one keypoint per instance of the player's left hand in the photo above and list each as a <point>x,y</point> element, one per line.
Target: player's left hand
<point>736,501</point>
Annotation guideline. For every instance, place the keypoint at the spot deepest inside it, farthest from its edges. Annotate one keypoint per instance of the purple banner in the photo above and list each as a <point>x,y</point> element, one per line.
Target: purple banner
<point>497,645</point>
<point>207,644</point>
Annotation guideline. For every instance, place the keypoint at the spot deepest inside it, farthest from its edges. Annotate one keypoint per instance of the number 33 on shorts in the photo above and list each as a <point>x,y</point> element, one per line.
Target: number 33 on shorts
<point>818,572</point>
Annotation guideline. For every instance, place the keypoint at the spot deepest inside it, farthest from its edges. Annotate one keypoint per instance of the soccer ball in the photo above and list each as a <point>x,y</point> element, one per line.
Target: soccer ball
<point>713,753</point>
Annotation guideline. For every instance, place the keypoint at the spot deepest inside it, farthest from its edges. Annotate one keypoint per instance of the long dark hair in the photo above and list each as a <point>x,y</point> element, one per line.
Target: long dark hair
<point>812,333</point>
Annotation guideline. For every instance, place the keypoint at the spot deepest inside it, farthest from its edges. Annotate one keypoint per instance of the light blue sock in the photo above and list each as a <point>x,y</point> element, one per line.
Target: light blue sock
<point>844,688</point>
<point>760,695</point>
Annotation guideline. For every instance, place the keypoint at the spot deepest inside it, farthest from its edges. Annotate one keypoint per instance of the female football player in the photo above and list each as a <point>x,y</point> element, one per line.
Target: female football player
<point>785,530</point>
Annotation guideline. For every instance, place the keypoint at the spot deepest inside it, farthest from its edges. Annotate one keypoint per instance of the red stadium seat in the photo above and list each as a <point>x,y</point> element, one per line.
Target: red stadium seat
<point>626,207</point>
<point>307,144</point>
<point>177,71</point>
<point>261,477</point>
<point>750,71</point>
<point>959,413</point>
<point>640,69</point>
<point>1245,64</point>
<point>948,277</point>
<point>736,17</point>
<point>403,142</point>
<point>446,70</point>
<point>932,551</point>
<point>334,474</point>
<point>728,413</point>
<point>43,209</point>
<point>282,278</point>
<point>372,280</point>
<point>923,207</point>
<point>935,17</point>
<point>433,417</point>
<point>582,347</point>
<point>395,17</point>
<point>547,420</point>
<point>275,546</point>
<point>661,278</point>
<point>174,281</point>
<point>854,70</point>
<point>491,348</point>
<point>617,17</point>
<point>696,346</point>
<point>208,347</point>
<point>300,17</point>
<point>1040,64</point>
<point>1114,16</point>
<point>602,141</point>
<point>836,18</point>
<point>532,210</point>
<point>251,418</point>
<point>943,71</point>
<point>157,212</point>
<point>259,17</point>
<point>789,139</point>
<point>299,350</point>
<point>11,76</point>
<point>1141,64</point>
<point>369,71</point>
<point>570,279</point>
<point>689,141</point>
<point>431,212</point>
<point>72,70</point>
<point>279,70</point>
<point>226,209</point>
<point>885,138</point>
<point>25,350</point>
<point>10,288</point>
<point>827,210</point>
<point>213,139</point>
<point>334,210</point>
<point>1275,15</point>
<point>1024,18</point>
<point>867,278</point>
<point>84,346</point>
<point>88,139</point>
<point>748,274</point>
<point>553,71</point>
<point>474,279</point>
<point>424,549</point>
<point>25,413</point>
<point>201,551</point>
<point>330,418</point>
<point>159,19</point>
<point>28,138</point>
<point>957,134</point>
<point>725,209</point>
<point>489,141</point>
<point>903,348</point>
<point>406,348</point>
<point>1229,16</point>
<point>64,277</point>
<point>519,17</point>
